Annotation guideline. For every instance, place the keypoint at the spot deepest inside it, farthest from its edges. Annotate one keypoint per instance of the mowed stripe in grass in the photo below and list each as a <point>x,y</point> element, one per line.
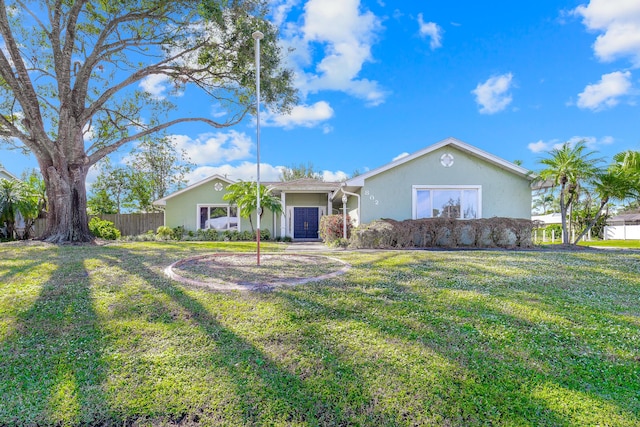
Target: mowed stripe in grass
<point>97,334</point>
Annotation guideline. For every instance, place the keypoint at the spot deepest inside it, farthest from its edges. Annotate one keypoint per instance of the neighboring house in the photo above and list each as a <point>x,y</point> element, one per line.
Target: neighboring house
<point>548,219</point>
<point>19,225</point>
<point>623,227</point>
<point>450,178</point>
<point>5,174</point>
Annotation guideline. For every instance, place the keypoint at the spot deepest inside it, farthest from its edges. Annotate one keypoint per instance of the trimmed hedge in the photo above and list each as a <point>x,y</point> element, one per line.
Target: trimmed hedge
<point>444,232</point>
<point>331,228</point>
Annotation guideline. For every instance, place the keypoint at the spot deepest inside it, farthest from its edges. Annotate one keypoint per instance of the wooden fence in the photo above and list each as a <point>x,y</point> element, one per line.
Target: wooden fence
<point>128,224</point>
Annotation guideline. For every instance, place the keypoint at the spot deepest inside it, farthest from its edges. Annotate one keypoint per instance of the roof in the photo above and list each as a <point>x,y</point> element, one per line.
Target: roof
<point>304,185</point>
<point>307,185</point>
<point>163,201</point>
<point>627,218</point>
<point>552,218</point>
<point>358,181</point>
<point>6,174</point>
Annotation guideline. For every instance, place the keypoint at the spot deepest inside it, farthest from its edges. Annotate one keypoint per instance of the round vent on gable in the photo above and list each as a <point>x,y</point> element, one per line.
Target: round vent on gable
<point>446,160</point>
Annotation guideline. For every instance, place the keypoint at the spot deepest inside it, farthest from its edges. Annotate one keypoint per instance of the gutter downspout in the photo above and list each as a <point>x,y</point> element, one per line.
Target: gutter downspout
<point>358,196</point>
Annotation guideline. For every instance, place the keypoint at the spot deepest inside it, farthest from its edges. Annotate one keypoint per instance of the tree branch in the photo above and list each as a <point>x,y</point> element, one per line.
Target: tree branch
<point>93,158</point>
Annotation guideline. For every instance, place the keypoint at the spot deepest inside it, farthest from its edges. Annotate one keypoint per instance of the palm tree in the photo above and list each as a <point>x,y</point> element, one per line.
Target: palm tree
<point>244,195</point>
<point>568,166</point>
<point>20,199</point>
<point>9,200</point>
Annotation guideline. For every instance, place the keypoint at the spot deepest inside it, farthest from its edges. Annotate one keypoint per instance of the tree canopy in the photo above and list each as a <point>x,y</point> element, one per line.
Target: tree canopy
<point>585,185</point>
<point>292,173</point>
<point>568,166</point>
<point>70,75</point>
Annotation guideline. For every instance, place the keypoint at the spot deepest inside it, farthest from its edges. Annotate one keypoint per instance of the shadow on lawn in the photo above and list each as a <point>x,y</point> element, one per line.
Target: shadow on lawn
<point>523,371</point>
<point>267,392</point>
<point>497,367</point>
<point>51,369</point>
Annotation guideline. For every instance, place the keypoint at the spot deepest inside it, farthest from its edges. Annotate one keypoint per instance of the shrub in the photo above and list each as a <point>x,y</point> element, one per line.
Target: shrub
<point>164,233</point>
<point>331,228</point>
<point>444,232</point>
<point>178,232</point>
<point>103,229</point>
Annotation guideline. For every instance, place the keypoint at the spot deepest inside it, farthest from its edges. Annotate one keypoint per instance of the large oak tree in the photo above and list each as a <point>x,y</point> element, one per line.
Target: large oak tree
<point>70,74</point>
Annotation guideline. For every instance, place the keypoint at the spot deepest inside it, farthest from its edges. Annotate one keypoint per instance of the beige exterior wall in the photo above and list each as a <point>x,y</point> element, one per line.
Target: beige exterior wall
<point>390,193</point>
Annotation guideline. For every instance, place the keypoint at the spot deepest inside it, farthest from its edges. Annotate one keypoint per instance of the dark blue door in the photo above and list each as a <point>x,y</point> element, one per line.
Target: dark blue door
<point>305,223</point>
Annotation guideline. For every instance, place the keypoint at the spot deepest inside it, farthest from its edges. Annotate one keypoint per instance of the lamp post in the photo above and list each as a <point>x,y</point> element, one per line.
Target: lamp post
<point>344,216</point>
<point>257,36</point>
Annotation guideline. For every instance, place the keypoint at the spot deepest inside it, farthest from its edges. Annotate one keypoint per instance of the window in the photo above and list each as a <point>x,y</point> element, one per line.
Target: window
<point>219,217</point>
<point>446,202</point>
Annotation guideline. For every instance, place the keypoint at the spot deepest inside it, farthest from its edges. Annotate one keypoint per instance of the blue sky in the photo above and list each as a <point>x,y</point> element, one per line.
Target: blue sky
<point>379,79</point>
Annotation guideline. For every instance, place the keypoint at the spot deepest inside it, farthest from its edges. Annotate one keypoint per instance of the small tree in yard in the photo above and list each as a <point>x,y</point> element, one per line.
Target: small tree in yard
<point>568,167</point>
<point>70,74</point>
<point>244,194</point>
<point>20,199</point>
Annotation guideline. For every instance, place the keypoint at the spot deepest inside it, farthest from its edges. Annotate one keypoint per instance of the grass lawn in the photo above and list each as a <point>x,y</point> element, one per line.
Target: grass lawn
<point>98,336</point>
<point>630,244</point>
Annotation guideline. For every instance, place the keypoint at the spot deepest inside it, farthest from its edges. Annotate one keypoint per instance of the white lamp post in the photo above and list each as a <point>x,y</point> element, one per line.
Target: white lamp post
<point>257,36</point>
<point>344,216</point>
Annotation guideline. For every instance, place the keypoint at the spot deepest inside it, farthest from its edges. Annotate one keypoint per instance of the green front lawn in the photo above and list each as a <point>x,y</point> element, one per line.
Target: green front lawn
<point>629,244</point>
<point>97,335</point>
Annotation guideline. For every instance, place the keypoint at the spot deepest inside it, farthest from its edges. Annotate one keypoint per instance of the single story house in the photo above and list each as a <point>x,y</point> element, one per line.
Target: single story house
<point>548,219</point>
<point>447,179</point>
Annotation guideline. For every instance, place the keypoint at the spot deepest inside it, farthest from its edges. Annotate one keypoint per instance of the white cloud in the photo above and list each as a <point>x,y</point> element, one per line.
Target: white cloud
<point>619,23</point>
<point>606,92</point>
<point>400,156</point>
<point>539,147</point>
<point>301,115</point>
<point>156,85</point>
<point>92,175</point>
<point>337,176</point>
<point>431,30</point>
<point>343,35</point>
<point>215,148</point>
<point>493,95</point>
<point>591,142</point>
<point>88,133</point>
<point>246,171</point>
<point>281,9</point>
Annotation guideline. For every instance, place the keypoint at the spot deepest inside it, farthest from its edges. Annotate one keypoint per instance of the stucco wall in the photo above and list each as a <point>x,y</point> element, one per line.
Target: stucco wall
<point>306,199</point>
<point>389,194</point>
<point>182,208</point>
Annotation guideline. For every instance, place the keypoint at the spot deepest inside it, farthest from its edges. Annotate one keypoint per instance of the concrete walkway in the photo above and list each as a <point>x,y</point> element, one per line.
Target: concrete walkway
<point>310,247</point>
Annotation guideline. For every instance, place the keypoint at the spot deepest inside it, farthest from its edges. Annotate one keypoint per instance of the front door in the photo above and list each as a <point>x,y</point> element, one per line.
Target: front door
<point>305,223</point>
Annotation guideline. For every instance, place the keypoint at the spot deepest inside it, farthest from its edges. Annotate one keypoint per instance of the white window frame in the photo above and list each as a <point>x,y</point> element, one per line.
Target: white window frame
<point>215,205</point>
<point>422,187</point>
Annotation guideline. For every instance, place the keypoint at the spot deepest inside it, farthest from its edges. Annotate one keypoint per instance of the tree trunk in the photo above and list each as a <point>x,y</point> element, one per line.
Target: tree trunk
<point>589,226</point>
<point>563,216</point>
<point>67,219</point>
